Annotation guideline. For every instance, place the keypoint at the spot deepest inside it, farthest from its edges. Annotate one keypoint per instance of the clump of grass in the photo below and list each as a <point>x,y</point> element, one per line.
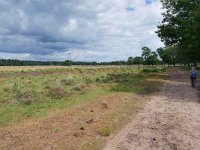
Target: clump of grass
<point>68,81</point>
<point>15,87</point>
<point>103,78</point>
<point>57,92</point>
<point>89,80</point>
<point>80,70</point>
<point>106,131</point>
<point>48,86</point>
<point>7,89</point>
<point>25,97</point>
<point>56,130</point>
<point>79,88</point>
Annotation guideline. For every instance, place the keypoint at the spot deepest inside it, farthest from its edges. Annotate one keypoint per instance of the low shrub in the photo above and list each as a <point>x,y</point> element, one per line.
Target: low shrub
<point>25,97</point>
<point>57,92</point>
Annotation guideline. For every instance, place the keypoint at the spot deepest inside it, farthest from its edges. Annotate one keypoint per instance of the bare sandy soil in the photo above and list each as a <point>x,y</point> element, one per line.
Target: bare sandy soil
<point>171,121</point>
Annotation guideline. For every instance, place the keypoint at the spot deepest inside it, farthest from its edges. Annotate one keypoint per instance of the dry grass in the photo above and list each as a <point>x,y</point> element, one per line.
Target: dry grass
<point>78,127</point>
<point>7,89</point>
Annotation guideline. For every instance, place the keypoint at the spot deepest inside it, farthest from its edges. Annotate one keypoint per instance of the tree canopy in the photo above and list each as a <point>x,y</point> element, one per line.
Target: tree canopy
<point>180,28</point>
<point>149,57</point>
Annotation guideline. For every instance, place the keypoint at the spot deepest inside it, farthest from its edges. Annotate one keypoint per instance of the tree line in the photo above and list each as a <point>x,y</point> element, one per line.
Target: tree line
<point>161,56</point>
<point>148,57</point>
<point>14,62</point>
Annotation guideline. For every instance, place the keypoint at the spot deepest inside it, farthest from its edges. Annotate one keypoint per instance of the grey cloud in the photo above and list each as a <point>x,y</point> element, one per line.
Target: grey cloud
<point>48,29</point>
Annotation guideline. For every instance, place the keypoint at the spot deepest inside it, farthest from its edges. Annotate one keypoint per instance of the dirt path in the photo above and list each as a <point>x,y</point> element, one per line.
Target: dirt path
<point>169,122</point>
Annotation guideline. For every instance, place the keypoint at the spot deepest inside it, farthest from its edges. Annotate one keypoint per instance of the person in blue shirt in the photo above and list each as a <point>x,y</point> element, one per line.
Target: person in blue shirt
<point>193,76</point>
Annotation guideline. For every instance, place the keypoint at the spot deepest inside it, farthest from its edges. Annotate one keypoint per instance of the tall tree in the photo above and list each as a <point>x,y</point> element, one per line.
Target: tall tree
<point>130,61</point>
<point>152,59</point>
<point>181,26</point>
<point>138,60</point>
<point>146,52</point>
<point>164,55</point>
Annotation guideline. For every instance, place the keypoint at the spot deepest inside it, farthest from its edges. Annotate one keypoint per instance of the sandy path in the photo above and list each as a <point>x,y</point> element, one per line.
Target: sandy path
<point>171,121</point>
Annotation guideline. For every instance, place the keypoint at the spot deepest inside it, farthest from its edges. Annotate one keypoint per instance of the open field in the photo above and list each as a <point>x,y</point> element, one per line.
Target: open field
<point>70,107</point>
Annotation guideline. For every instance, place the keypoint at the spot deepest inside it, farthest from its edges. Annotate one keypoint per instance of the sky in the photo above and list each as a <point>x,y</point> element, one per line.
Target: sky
<point>78,30</point>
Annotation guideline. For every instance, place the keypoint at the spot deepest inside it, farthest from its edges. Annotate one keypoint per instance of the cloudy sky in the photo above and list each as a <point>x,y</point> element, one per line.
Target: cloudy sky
<point>79,30</point>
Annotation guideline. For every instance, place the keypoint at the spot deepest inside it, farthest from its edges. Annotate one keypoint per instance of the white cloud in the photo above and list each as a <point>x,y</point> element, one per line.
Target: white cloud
<point>89,30</point>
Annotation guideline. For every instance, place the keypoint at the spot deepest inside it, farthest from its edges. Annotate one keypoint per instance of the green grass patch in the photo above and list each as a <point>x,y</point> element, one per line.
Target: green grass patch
<point>127,83</point>
<point>11,114</point>
<point>106,131</point>
<point>153,70</point>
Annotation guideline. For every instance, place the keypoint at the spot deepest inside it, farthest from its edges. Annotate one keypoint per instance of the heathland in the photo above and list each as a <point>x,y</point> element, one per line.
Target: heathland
<point>71,107</point>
